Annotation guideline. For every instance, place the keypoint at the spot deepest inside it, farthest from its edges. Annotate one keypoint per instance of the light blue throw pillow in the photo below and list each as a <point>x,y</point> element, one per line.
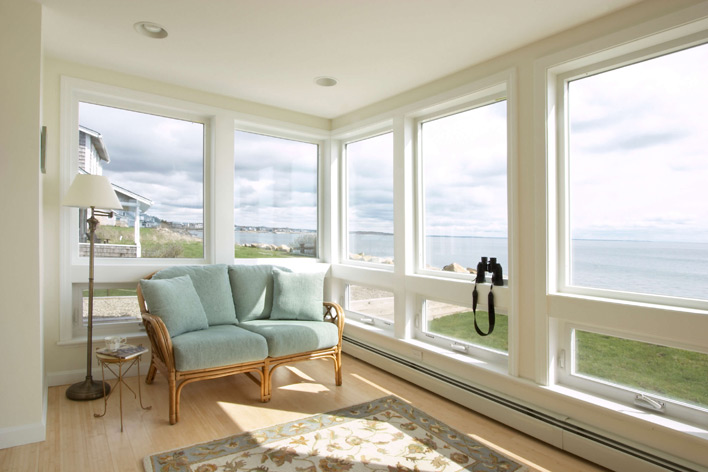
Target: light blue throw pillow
<point>176,302</point>
<point>212,285</point>
<point>297,295</point>
<point>252,288</point>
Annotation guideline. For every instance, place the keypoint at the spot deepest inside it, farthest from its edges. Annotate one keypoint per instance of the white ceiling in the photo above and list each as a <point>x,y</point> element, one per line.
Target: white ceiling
<point>269,51</point>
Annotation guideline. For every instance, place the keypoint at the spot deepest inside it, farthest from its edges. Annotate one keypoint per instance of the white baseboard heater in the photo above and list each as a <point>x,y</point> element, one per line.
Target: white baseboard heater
<point>577,440</point>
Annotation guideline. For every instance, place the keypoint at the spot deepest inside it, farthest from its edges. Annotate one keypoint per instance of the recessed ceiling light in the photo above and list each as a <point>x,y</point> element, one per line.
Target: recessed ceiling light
<point>326,81</point>
<point>150,29</point>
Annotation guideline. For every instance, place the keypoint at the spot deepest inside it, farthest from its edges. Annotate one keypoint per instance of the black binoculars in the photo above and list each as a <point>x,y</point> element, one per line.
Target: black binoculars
<point>492,266</point>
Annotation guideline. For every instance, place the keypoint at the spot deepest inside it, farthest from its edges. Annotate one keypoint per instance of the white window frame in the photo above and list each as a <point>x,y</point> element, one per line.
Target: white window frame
<point>624,394</point>
<point>364,318</point>
<point>119,271</point>
<point>563,184</point>
<point>303,136</point>
<point>479,99</point>
<point>459,346</point>
<point>656,319</point>
<point>344,199</point>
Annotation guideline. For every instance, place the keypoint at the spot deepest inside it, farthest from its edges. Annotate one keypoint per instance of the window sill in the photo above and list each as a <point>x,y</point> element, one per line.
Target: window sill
<point>129,335</point>
<point>626,410</point>
<point>419,351</point>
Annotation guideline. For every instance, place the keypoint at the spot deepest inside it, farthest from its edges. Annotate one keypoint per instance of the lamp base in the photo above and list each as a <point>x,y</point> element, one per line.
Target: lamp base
<point>87,390</point>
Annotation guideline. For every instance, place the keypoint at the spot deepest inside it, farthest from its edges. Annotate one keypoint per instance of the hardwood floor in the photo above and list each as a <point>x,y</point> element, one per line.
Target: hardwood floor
<point>76,441</point>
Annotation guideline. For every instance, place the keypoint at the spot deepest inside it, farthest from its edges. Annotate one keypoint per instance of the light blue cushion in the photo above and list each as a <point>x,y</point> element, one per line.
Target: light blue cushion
<point>217,346</point>
<point>212,285</point>
<point>292,337</point>
<point>252,290</point>
<point>176,302</point>
<point>297,296</point>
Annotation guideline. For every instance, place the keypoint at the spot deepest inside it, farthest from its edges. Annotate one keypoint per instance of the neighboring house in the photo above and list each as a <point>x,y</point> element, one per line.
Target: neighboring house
<point>92,156</point>
<point>92,151</point>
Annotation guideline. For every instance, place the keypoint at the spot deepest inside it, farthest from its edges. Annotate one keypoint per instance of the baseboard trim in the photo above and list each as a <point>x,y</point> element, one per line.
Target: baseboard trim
<point>24,434</point>
<point>590,445</point>
<point>69,377</point>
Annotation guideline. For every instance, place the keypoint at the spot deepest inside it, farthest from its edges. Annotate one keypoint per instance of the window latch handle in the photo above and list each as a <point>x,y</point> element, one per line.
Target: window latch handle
<point>647,402</point>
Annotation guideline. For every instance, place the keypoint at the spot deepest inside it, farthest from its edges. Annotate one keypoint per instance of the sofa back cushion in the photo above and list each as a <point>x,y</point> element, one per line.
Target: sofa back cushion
<point>176,302</point>
<point>297,296</point>
<point>252,289</point>
<point>212,285</point>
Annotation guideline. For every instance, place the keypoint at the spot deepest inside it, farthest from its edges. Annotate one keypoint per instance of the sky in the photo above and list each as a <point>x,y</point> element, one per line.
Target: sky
<point>639,151</point>
<point>156,157</point>
<point>275,182</point>
<point>638,163</point>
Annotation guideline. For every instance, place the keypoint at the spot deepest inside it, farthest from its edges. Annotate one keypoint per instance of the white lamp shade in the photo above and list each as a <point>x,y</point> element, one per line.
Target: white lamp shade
<point>88,190</point>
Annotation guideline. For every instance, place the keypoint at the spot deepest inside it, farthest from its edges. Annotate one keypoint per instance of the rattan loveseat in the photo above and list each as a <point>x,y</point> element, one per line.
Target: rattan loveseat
<point>212,321</point>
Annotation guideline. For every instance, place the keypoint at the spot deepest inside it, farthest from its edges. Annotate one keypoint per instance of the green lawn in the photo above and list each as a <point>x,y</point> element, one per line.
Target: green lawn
<point>241,252</point>
<point>154,244</point>
<point>112,292</point>
<point>669,372</point>
<point>461,326</point>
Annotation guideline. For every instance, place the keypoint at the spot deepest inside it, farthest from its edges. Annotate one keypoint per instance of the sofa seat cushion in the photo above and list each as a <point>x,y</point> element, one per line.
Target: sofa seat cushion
<point>294,336</point>
<point>212,285</point>
<point>217,346</point>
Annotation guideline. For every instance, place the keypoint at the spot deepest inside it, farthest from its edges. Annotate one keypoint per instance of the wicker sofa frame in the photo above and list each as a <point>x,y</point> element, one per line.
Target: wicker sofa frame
<point>162,358</point>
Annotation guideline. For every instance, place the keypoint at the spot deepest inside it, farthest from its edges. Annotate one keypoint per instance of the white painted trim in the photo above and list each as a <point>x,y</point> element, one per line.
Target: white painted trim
<point>69,377</point>
<point>24,434</point>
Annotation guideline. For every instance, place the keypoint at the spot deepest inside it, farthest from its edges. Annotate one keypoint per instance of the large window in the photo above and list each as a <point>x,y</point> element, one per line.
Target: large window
<point>156,166</point>
<point>370,199</point>
<point>464,178</point>
<point>275,196</point>
<point>637,166</point>
<point>632,226</point>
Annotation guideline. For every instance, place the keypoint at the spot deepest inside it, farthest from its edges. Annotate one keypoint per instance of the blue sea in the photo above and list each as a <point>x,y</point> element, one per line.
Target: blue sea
<point>664,268</point>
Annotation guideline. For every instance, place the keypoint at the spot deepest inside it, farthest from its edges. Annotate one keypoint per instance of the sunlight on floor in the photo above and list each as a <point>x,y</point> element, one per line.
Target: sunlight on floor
<point>299,373</point>
<point>377,386</point>
<point>508,453</point>
<point>305,387</point>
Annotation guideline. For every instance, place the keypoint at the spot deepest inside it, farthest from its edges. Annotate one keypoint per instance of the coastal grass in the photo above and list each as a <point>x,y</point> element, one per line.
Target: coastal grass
<point>461,326</point>
<point>168,243</point>
<point>665,371</point>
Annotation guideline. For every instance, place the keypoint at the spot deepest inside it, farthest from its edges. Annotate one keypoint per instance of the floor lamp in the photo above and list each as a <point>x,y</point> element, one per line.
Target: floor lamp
<point>91,191</point>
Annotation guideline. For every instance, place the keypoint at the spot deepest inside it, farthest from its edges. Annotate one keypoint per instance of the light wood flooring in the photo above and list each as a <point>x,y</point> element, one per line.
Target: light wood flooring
<point>76,441</point>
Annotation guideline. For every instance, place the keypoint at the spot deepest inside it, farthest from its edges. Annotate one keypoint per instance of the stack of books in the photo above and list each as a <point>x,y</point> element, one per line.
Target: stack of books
<point>126,351</point>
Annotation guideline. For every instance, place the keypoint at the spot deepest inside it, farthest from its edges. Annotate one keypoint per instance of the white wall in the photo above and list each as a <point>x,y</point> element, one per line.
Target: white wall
<point>21,368</point>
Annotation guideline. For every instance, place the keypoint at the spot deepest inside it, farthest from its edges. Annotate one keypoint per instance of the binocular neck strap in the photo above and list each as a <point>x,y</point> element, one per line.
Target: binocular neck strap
<point>490,309</point>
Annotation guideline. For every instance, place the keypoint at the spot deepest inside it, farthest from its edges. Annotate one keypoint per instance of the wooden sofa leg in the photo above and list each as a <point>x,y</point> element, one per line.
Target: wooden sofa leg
<point>265,384</point>
<point>338,369</point>
<point>173,404</point>
<point>151,373</point>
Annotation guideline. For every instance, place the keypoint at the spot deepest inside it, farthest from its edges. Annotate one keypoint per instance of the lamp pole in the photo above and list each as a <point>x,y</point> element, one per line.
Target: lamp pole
<point>90,389</point>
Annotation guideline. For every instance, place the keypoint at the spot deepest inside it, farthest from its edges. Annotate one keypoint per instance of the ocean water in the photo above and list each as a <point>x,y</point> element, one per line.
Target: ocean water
<point>663,268</point>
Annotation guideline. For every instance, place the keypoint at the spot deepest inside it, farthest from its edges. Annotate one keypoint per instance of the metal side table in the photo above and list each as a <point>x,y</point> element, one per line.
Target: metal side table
<point>124,365</point>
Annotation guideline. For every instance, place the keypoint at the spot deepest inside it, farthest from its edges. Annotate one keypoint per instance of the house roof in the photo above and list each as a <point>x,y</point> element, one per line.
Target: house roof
<point>144,202</point>
<point>97,141</point>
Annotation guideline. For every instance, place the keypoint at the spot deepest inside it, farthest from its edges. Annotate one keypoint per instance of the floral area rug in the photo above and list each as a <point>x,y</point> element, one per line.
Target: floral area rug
<point>385,435</point>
